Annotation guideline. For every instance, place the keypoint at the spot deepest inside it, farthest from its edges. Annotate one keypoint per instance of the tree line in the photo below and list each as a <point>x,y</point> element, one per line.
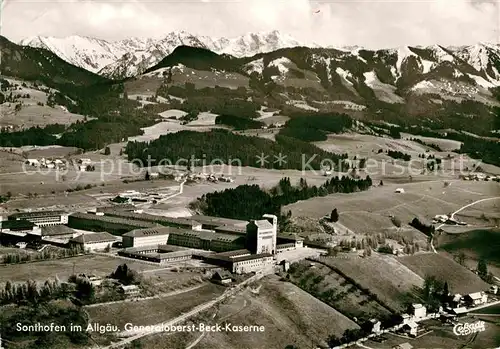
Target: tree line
<point>315,127</point>
<point>248,202</point>
<point>17,258</point>
<point>232,149</point>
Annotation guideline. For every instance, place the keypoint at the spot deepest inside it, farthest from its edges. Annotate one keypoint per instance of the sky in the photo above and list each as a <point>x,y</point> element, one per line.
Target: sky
<point>371,24</point>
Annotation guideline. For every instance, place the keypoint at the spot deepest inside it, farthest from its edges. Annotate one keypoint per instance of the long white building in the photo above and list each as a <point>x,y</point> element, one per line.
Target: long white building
<point>146,237</point>
<point>42,218</point>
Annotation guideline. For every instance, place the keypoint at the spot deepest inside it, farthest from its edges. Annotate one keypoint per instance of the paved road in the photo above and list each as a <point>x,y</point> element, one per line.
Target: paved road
<point>472,204</point>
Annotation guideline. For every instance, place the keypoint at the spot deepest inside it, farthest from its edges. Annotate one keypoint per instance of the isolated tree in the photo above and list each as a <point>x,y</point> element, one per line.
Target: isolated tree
<point>334,216</point>
<point>482,268</point>
<point>107,151</point>
<point>147,176</point>
<point>381,183</point>
<point>362,163</point>
<point>460,258</point>
<point>446,290</point>
<point>396,221</point>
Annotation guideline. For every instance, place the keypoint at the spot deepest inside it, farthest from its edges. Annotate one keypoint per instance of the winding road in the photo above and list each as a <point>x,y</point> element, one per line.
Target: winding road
<point>459,210</point>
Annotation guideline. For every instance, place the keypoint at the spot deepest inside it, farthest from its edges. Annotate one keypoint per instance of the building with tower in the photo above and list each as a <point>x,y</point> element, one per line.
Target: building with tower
<point>262,235</point>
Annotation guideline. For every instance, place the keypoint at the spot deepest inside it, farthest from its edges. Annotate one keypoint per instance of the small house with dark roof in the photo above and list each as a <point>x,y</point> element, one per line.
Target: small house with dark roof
<point>93,242</point>
<point>222,277</point>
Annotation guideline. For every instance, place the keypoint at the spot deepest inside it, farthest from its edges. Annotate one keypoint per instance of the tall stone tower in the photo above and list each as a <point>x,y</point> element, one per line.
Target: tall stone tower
<point>262,235</point>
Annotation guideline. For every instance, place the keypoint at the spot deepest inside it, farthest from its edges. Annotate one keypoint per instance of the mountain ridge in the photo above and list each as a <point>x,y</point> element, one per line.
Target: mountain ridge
<point>125,58</point>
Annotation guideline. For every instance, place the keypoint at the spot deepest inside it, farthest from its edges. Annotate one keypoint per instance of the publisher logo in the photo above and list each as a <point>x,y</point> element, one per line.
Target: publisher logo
<point>467,329</point>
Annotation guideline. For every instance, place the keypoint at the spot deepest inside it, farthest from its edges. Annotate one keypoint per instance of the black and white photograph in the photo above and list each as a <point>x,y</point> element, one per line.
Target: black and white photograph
<point>249,174</point>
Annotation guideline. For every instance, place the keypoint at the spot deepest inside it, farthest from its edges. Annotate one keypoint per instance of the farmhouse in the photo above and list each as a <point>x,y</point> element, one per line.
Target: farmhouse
<point>475,299</point>
<point>130,290</point>
<point>93,242</point>
<point>42,218</point>
<point>222,277</point>
<point>412,328</point>
<point>33,162</point>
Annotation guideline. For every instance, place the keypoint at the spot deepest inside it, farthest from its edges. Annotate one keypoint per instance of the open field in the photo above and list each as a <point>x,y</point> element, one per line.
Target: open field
<point>370,211</point>
<point>383,275</point>
<point>475,244</point>
<point>444,144</point>
<point>460,279</point>
<point>485,213</point>
<point>494,310</point>
<point>289,315</point>
<point>63,268</point>
<point>173,126</point>
<point>243,175</point>
<point>149,83</point>
<point>155,310</point>
<point>332,288</point>
<point>32,113</point>
<point>367,145</point>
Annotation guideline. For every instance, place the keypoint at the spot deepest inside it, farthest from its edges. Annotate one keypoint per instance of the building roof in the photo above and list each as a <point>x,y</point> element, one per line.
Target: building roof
<point>251,257</point>
<point>263,224</point>
<point>182,221</point>
<point>94,238</point>
<point>156,231</point>
<point>404,346</point>
<point>412,324</point>
<point>476,295</point>
<point>231,229</point>
<point>117,220</point>
<point>233,254</point>
<point>129,287</point>
<point>15,225</point>
<point>417,305</point>
<point>291,237</point>
<point>219,221</point>
<point>207,235</point>
<point>36,214</point>
<point>55,230</point>
<point>222,275</point>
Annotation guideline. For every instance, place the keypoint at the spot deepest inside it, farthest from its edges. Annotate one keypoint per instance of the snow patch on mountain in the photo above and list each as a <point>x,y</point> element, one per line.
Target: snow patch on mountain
<point>441,55</point>
<point>355,53</point>
<point>483,82</point>
<point>383,92</point>
<point>344,74</point>
<point>427,66</point>
<point>255,66</point>
<point>281,63</point>
<point>403,54</point>
<point>423,85</point>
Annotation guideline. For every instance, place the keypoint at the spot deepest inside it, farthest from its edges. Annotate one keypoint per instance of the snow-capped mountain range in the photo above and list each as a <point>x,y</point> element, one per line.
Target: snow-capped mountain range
<point>129,57</point>
<point>133,56</point>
